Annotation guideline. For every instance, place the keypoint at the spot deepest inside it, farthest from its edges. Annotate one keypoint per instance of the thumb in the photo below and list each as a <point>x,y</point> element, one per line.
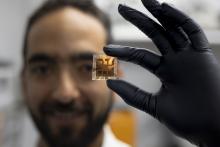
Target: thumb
<point>134,96</point>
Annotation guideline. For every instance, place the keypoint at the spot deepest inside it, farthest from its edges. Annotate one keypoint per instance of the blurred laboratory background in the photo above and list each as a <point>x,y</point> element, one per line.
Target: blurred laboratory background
<point>130,125</point>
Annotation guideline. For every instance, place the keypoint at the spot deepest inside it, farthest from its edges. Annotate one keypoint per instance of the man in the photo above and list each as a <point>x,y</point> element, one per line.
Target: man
<point>188,102</point>
<point>68,108</point>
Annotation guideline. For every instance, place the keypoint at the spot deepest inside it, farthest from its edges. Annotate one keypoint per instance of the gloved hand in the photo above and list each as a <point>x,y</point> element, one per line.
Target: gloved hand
<point>188,101</point>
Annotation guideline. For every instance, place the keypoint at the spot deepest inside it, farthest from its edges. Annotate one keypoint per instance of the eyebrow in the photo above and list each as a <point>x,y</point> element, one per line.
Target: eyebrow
<point>40,57</point>
<point>82,56</point>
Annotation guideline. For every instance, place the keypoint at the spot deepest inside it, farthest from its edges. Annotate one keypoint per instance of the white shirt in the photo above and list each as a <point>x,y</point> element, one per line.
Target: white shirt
<point>110,140</point>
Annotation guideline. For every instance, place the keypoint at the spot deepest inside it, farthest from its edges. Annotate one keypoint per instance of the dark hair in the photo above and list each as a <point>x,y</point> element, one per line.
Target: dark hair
<point>86,6</point>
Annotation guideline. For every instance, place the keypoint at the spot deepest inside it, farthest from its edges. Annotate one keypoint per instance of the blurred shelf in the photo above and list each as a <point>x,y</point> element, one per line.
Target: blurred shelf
<point>130,33</point>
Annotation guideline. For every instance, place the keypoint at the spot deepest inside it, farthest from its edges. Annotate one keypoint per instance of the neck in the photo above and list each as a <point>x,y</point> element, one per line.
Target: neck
<point>96,143</point>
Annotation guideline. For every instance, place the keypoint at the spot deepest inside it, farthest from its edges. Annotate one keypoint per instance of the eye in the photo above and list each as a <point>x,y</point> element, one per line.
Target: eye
<point>40,70</point>
<point>86,68</point>
<point>83,70</point>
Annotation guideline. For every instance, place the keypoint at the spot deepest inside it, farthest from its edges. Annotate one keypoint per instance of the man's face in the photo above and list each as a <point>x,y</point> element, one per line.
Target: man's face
<point>68,107</point>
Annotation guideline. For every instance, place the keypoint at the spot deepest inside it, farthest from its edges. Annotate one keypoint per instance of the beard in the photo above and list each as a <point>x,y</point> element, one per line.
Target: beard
<point>70,136</point>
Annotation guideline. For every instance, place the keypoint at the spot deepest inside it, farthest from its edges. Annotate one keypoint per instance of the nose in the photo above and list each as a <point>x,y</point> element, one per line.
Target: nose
<point>66,89</point>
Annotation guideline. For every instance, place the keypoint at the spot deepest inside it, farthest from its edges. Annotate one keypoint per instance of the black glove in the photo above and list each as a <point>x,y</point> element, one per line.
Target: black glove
<point>188,101</point>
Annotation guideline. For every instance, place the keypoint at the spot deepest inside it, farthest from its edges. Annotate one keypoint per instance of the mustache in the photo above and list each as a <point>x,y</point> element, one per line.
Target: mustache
<point>52,107</point>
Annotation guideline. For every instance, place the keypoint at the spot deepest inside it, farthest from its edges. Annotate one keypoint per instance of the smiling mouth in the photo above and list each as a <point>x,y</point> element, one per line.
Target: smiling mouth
<point>66,116</point>
<point>57,112</point>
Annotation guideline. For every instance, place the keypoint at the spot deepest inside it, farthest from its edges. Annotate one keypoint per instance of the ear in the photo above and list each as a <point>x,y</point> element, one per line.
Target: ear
<point>120,72</point>
<point>22,81</point>
<point>22,75</point>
